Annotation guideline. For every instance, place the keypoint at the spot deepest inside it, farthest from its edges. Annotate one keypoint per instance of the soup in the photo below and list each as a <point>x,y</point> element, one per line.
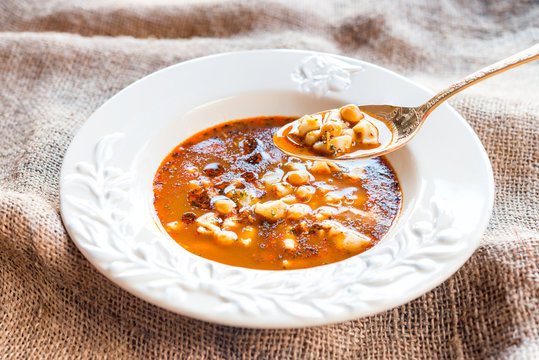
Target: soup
<point>229,195</point>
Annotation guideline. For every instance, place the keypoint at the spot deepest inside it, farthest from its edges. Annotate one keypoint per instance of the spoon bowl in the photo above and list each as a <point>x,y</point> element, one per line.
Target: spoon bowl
<point>403,122</point>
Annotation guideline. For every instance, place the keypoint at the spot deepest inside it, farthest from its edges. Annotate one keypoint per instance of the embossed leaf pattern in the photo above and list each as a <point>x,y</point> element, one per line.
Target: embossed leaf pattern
<point>320,74</point>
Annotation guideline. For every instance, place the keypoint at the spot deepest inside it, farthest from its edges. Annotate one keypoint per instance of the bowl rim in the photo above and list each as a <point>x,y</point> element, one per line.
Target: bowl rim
<point>68,213</point>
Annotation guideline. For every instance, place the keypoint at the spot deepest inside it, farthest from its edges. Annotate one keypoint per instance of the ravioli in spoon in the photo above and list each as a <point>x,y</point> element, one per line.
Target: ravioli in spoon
<point>353,132</point>
<point>342,133</point>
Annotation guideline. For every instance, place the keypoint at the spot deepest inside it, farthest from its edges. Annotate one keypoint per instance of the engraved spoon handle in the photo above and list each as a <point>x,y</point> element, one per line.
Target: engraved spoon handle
<point>512,61</point>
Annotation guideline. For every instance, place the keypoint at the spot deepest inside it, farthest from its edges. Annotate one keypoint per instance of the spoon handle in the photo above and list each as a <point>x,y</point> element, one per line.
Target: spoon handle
<point>512,61</point>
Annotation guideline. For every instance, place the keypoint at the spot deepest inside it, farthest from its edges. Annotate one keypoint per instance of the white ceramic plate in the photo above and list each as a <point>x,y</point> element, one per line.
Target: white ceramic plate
<point>106,191</point>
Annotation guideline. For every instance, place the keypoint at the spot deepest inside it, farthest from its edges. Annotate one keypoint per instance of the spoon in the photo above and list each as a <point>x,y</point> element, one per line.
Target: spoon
<point>402,122</point>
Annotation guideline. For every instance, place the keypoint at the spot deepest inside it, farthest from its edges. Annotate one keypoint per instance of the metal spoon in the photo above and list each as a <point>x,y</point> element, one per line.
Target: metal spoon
<point>405,122</point>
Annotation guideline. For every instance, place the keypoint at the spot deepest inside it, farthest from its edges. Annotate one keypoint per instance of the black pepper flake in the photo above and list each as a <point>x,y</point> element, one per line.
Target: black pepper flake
<point>221,186</point>
<point>249,145</point>
<point>249,176</point>
<point>311,251</point>
<point>189,217</point>
<point>296,230</point>
<point>314,228</point>
<point>214,169</point>
<point>199,198</point>
<point>255,159</point>
<point>239,185</point>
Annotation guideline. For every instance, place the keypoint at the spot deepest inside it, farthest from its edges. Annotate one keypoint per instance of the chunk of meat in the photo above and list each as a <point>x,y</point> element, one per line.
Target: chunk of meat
<point>345,238</point>
<point>208,223</point>
<point>367,133</point>
<point>298,178</point>
<point>272,177</point>
<point>305,193</point>
<point>324,212</point>
<point>298,211</point>
<point>340,144</point>
<point>224,205</point>
<point>281,189</point>
<point>271,210</point>
<point>226,237</point>
<point>311,137</point>
<point>305,124</point>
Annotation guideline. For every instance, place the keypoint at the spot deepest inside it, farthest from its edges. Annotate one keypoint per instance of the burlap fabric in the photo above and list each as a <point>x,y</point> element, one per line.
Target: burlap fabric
<point>61,60</point>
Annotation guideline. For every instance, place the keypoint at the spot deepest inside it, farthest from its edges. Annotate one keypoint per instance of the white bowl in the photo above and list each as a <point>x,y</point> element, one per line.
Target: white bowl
<point>106,191</point>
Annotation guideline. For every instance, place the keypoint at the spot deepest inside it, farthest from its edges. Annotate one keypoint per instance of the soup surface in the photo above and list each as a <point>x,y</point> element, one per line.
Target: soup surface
<point>229,195</point>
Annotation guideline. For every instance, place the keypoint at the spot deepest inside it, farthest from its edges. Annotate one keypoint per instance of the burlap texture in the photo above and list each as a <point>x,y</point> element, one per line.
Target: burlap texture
<point>61,60</point>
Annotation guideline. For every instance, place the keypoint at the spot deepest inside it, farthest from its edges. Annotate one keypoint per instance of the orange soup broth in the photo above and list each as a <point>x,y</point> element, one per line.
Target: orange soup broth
<point>244,152</point>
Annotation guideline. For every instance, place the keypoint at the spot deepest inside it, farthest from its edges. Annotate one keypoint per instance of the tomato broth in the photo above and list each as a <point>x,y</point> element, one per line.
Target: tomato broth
<point>229,195</point>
